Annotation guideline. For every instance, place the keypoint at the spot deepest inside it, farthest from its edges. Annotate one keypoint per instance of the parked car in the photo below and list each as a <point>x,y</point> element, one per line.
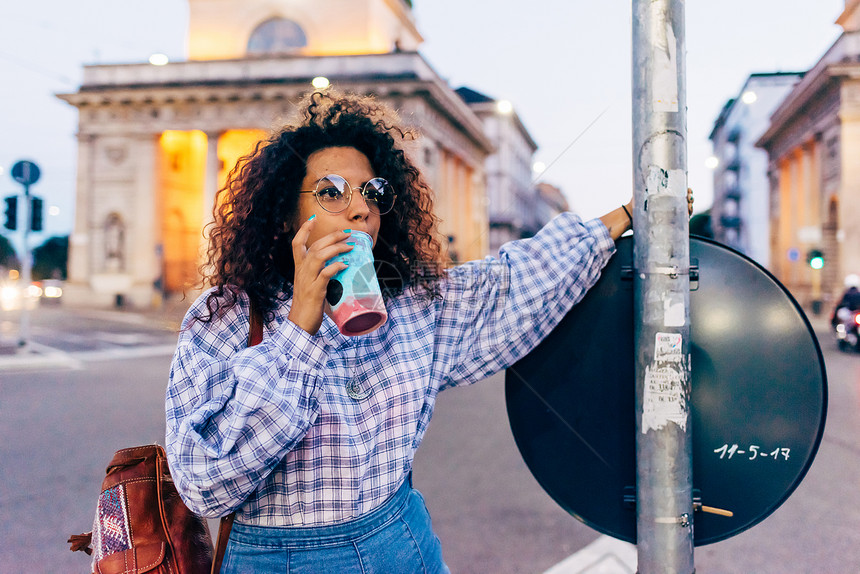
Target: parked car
<point>49,289</point>
<point>14,297</point>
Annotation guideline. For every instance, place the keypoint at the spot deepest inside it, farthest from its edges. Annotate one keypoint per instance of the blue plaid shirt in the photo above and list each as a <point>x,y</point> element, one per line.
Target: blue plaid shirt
<point>270,430</point>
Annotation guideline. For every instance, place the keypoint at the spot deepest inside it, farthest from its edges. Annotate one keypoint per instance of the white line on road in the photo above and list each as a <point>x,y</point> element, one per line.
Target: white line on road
<point>38,362</point>
<point>606,555</point>
<point>46,358</point>
<point>125,353</point>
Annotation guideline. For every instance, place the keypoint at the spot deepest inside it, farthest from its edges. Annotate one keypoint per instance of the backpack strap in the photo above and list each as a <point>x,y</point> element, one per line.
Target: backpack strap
<point>255,333</point>
<point>224,528</point>
<point>255,336</point>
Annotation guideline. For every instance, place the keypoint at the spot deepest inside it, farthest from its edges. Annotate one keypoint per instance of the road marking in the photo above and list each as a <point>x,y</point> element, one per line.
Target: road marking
<point>39,362</point>
<point>606,555</point>
<point>47,358</point>
<point>125,353</point>
<point>127,339</point>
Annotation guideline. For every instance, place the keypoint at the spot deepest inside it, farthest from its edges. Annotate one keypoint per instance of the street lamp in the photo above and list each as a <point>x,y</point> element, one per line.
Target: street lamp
<point>749,97</point>
<point>159,59</point>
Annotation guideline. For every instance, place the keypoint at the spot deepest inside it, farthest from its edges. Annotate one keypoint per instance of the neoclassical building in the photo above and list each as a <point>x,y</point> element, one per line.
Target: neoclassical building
<point>513,200</point>
<point>155,143</point>
<point>740,214</point>
<point>813,143</point>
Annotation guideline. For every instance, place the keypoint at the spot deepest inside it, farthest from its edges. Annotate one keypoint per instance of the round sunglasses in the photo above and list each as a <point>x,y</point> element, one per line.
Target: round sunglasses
<point>334,193</point>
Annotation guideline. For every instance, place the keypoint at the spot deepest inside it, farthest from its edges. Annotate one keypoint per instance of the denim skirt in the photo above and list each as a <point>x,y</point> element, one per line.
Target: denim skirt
<point>395,538</point>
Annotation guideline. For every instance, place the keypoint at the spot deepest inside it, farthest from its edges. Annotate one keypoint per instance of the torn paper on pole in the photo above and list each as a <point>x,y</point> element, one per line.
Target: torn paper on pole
<point>664,400</point>
<point>665,80</point>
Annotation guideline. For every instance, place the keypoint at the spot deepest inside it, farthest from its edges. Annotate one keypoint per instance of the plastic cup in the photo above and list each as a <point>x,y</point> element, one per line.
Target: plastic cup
<point>354,295</point>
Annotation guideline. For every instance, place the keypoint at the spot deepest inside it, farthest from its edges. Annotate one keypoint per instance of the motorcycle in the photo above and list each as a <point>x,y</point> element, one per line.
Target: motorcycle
<point>847,326</point>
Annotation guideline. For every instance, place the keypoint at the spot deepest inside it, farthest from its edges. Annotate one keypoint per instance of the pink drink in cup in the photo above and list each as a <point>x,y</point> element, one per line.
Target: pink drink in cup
<point>354,295</point>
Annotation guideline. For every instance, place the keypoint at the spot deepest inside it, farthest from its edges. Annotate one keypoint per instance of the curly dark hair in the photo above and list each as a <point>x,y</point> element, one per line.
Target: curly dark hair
<point>256,211</point>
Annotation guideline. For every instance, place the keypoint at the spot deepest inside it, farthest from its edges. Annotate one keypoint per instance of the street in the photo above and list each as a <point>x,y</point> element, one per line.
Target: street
<point>101,389</point>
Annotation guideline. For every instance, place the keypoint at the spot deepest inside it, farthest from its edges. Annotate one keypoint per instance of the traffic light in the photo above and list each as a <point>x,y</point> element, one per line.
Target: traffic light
<point>11,213</point>
<point>36,214</point>
<point>815,258</point>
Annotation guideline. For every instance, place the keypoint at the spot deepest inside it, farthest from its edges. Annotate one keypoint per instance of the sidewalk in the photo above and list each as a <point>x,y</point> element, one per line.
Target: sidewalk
<point>606,555</point>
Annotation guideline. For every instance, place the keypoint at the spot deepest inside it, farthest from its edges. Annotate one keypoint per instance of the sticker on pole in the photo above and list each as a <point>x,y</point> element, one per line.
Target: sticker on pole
<point>664,400</point>
<point>665,59</point>
<point>667,347</point>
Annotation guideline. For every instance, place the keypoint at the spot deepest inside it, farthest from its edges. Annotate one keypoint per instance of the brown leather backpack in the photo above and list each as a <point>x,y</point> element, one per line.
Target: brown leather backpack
<point>129,535</point>
<point>141,523</point>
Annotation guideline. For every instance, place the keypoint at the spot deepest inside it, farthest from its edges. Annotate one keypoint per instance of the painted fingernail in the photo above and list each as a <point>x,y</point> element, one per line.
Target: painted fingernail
<point>347,230</point>
<point>312,216</point>
<point>350,243</point>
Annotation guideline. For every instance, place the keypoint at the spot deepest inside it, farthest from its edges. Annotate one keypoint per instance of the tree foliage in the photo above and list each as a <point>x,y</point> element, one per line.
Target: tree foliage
<point>700,225</point>
<point>8,257</point>
<point>51,259</point>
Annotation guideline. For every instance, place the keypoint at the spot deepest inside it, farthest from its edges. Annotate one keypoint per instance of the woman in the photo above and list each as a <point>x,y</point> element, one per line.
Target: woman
<point>318,474</point>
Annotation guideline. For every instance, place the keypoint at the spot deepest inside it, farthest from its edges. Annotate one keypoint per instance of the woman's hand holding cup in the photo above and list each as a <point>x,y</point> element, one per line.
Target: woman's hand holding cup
<point>312,275</point>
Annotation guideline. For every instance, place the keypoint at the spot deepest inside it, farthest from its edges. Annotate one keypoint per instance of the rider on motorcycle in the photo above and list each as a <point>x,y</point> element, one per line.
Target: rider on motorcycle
<point>850,299</point>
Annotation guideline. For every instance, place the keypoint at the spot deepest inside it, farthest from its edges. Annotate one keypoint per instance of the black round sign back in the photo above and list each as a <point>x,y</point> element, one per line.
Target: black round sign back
<point>759,397</point>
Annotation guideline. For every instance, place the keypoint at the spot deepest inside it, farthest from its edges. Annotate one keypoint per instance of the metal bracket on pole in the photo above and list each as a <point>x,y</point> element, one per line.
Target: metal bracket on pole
<point>629,501</point>
<point>627,273</point>
<point>664,498</point>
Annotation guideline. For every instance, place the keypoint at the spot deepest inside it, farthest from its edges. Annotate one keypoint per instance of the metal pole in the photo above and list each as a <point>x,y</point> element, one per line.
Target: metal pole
<point>664,498</point>
<point>26,274</point>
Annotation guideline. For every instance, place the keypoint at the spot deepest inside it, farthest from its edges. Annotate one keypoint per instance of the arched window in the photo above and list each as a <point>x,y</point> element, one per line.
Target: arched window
<point>277,35</point>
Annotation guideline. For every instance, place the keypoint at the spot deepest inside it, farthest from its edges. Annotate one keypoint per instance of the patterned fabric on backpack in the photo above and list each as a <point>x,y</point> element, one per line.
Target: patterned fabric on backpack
<point>110,527</point>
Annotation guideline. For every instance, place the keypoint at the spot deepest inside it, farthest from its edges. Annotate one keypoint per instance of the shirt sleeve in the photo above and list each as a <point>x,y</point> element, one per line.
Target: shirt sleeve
<point>233,411</point>
<point>493,312</point>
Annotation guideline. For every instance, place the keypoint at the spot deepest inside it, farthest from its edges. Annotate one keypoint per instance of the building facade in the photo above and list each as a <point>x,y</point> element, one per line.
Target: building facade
<point>551,202</point>
<point>516,207</point>
<point>155,143</point>
<point>813,143</point>
<point>740,213</point>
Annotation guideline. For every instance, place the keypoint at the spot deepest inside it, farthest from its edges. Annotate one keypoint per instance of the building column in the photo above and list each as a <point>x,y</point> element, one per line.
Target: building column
<point>795,217</point>
<point>784,223</point>
<point>849,193</point>
<point>144,263</point>
<point>210,181</point>
<point>806,224</point>
<point>80,256</point>
<point>210,192</point>
<point>481,203</point>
